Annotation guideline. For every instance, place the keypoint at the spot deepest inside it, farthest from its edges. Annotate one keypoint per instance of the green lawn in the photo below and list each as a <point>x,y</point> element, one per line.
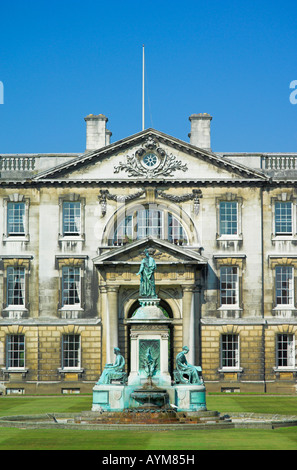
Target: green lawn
<point>38,405</point>
<point>233,439</point>
<point>284,405</point>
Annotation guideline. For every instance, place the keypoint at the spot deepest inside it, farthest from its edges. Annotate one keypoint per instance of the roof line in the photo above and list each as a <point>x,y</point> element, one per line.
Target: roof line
<point>124,142</point>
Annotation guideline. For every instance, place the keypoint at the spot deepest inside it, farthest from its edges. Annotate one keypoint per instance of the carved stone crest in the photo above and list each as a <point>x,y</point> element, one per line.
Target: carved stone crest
<point>150,161</point>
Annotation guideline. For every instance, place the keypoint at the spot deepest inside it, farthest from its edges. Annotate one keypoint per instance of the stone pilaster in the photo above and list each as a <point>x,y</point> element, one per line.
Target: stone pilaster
<point>189,321</point>
<point>112,326</point>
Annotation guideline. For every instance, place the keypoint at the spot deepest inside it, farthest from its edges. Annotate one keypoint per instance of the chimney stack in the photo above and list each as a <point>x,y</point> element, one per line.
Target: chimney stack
<point>108,136</point>
<point>200,130</point>
<point>97,134</point>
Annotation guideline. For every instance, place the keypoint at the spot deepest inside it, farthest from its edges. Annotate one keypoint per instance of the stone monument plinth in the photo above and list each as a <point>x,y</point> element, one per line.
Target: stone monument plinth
<point>149,330</point>
<point>149,383</point>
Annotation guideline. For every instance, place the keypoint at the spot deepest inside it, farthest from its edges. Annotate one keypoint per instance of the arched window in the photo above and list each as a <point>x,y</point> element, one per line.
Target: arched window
<point>149,223</point>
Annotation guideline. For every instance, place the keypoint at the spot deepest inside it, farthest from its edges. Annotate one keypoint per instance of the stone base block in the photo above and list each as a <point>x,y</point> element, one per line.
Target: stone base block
<point>186,398</point>
<point>108,397</point>
<point>190,397</point>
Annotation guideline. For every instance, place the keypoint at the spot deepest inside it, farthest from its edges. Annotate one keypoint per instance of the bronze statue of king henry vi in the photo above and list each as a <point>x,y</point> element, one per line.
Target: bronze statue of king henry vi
<point>146,271</point>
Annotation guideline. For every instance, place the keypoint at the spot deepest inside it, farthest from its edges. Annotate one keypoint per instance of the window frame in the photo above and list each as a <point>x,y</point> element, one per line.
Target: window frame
<point>70,306</point>
<point>129,231</point>
<point>235,305</point>
<point>71,216</point>
<point>71,311</point>
<point>229,223</point>
<point>292,290</point>
<point>17,310</point>
<point>291,357</point>
<point>277,218</point>
<point>22,280</point>
<point>229,198</point>
<point>18,216</point>
<point>8,364</point>
<point>10,201</point>
<point>71,236</point>
<point>77,359</point>
<point>148,214</point>
<point>284,197</point>
<point>235,352</point>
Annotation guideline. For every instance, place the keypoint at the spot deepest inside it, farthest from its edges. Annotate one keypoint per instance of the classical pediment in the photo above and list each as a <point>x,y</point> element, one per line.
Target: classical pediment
<point>149,156</point>
<point>162,251</point>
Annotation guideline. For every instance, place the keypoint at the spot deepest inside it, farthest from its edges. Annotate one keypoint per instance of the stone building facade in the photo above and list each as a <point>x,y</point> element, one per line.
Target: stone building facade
<point>221,227</point>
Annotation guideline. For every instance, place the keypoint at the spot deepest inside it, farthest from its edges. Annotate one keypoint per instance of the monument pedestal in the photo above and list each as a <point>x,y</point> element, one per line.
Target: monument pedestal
<point>190,397</point>
<point>149,331</point>
<point>110,397</point>
<point>149,382</point>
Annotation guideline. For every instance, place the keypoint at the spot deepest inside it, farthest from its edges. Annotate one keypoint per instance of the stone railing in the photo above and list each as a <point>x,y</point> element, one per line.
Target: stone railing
<point>21,163</point>
<point>279,162</point>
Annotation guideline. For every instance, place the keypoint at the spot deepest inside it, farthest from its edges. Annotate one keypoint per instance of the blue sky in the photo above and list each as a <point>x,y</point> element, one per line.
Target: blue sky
<point>62,60</point>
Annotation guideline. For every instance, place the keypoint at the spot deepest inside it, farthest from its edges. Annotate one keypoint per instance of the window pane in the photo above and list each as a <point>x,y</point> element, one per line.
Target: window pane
<point>149,223</point>
<point>176,233</point>
<point>71,218</point>
<point>228,218</point>
<point>285,350</point>
<point>16,351</point>
<point>283,217</point>
<point>284,285</point>
<point>71,351</point>
<point>229,285</point>
<point>230,351</point>
<point>71,286</point>
<point>16,218</point>
<point>15,286</point>
<point>124,231</point>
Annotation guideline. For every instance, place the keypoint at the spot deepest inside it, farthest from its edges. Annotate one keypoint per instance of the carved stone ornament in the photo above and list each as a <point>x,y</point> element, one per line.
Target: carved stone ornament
<point>105,194</point>
<point>150,161</point>
<point>195,195</point>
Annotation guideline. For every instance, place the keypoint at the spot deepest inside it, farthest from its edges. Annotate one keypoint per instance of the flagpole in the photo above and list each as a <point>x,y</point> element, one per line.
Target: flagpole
<point>143,87</point>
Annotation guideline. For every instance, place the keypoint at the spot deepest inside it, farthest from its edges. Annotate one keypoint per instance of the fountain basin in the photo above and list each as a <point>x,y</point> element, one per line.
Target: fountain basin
<point>150,397</point>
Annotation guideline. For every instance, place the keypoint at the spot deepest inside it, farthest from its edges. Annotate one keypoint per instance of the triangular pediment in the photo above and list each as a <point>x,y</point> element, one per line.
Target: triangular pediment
<point>149,156</point>
<point>162,251</point>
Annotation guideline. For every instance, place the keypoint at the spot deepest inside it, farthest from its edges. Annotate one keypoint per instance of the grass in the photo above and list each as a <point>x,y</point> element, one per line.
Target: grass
<point>233,439</point>
<point>284,405</point>
<point>39,405</point>
<point>279,439</point>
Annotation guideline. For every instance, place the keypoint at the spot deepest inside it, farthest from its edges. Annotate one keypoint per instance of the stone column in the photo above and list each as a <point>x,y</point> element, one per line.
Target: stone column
<point>197,319</point>
<point>164,353</point>
<point>111,322</point>
<point>134,357</point>
<point>189,322</point>
<point>102,310</point>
